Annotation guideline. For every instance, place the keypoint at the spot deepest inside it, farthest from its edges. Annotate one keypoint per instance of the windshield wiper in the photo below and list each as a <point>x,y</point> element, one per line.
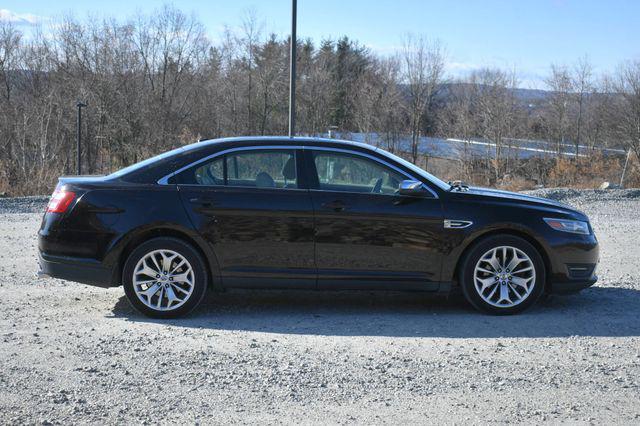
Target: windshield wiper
<point>458,185</point>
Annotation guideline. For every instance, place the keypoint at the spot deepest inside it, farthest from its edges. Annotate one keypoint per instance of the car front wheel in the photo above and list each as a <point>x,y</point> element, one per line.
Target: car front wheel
<point>502,274</point>
<point>165,278</point>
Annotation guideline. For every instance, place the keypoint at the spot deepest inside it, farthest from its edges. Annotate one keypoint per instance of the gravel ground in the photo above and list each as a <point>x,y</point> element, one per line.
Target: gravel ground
<point>76,354</point>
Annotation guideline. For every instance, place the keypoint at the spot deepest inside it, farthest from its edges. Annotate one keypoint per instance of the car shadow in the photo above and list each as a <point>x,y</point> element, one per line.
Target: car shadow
<point>598,311</point>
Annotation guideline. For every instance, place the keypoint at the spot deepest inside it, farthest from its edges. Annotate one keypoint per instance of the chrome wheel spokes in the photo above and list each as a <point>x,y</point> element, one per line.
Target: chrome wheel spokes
<point>163,280</point>
<point>504,276</point>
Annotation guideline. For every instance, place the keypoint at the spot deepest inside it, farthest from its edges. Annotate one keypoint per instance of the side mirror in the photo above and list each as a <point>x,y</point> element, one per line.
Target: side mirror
<point>411,187</point>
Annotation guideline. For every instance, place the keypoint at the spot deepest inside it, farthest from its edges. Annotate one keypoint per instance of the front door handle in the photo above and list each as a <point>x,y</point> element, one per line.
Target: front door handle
<point>336,206</point>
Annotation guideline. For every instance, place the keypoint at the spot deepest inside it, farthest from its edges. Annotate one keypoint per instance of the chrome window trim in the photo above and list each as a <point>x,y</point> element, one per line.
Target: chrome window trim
<point>365,193</point>
<point>165,180</point>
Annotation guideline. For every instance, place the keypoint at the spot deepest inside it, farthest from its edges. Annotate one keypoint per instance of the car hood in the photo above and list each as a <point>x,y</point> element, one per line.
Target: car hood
<point>498,194</point>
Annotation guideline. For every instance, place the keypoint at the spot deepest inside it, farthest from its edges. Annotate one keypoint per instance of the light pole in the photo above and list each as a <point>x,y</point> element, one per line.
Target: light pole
<point>79,104</point>
<point>292,70</point>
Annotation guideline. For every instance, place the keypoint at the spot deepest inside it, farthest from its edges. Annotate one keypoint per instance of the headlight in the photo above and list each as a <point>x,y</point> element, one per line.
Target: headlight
<point>566,225</point>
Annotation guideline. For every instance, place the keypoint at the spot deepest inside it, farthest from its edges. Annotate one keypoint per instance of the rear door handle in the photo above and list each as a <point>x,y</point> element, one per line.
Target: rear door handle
<point>205,202</point>
<point>336,206</point>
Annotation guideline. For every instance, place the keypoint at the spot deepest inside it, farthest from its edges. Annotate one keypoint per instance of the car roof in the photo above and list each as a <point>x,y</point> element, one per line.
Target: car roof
<point>280,140</point>
<point>151,168</point>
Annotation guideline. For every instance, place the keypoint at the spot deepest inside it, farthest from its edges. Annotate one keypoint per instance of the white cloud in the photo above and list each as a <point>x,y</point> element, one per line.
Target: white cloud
<point>20,18</point>
<point>462,66</point>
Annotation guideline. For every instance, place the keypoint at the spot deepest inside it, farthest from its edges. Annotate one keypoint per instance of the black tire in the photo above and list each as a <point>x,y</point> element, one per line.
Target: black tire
<point>200,276</point>
<point>477,251</point>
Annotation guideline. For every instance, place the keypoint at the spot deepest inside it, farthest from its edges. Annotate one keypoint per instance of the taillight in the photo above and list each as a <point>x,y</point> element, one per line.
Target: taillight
<point>60,201</point>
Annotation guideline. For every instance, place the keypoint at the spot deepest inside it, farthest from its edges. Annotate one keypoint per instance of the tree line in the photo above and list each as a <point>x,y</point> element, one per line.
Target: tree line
<point>156,81</point>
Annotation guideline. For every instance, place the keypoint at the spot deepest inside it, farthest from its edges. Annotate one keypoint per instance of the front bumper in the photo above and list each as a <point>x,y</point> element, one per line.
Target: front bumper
<point>82,270</point>
<point>573,265</point>
<point>570,287</point>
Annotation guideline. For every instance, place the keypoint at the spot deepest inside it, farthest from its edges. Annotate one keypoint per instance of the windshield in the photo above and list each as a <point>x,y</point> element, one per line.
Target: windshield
<point>440,183</point>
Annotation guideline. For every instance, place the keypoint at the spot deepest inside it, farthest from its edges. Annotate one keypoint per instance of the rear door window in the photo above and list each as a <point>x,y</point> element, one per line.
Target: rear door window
<point>250,168</point>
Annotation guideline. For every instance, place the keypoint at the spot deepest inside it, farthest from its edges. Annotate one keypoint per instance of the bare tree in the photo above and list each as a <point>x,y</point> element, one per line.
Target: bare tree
<point>495,109</point>
<point>459,118</point>
<point>625,111</point>
<point>389,106</point>
<point>423,71</point>
<point>559,83</point>
<point>251,33</point>
<point>316,87</point>
<point>9,45</point>
<point>582,85</point>
<point>270,59</point>
<point>10,40</point>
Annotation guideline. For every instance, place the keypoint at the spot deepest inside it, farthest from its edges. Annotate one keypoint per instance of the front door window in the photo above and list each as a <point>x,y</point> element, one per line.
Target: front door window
<point>351,173</point>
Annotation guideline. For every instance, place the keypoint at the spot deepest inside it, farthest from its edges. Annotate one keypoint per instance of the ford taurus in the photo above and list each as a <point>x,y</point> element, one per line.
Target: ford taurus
<point>307,213</point>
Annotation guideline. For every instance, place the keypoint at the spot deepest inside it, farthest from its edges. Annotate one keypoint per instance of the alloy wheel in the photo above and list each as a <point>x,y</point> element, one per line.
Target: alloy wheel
<point>163,280</point>
<point>504,276</point>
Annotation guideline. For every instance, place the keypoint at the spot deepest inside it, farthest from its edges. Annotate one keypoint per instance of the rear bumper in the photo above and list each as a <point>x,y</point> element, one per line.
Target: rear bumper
<point>81,270</point>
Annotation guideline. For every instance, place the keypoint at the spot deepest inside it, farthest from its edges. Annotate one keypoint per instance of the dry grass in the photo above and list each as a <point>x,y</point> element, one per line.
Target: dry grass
<point>583,173</point>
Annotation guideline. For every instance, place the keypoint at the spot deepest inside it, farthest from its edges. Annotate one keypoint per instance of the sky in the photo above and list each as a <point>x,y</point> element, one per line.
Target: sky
<point>527,36</point>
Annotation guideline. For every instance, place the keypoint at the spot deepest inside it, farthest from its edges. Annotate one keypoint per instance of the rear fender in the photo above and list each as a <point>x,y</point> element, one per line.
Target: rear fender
<point>120,249</point>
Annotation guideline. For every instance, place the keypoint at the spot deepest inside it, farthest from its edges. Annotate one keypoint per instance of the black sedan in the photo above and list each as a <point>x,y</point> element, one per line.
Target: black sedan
<point>307,213</point>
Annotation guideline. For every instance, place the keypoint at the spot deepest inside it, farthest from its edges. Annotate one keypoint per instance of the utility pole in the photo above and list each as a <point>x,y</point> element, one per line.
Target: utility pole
<point>624,169</point>
<point>292,70</point>
<point>79,104</point>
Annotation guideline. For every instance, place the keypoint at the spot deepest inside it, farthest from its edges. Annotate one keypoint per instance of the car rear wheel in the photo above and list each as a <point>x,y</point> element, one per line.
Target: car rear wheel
<point>503,274</point>
<point>165,278</point>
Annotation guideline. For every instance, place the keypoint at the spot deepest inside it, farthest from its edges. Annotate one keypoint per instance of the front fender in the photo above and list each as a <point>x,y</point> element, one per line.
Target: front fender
<point>466,240</point>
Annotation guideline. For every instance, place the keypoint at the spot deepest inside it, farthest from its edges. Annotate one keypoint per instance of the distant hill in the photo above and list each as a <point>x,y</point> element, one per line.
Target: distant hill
<point>532,95</point>
<point>524,95</point>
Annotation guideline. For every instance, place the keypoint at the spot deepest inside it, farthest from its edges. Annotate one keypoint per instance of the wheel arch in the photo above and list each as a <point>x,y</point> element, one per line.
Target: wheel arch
<point>137,237</point>
<point>504,231</point>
